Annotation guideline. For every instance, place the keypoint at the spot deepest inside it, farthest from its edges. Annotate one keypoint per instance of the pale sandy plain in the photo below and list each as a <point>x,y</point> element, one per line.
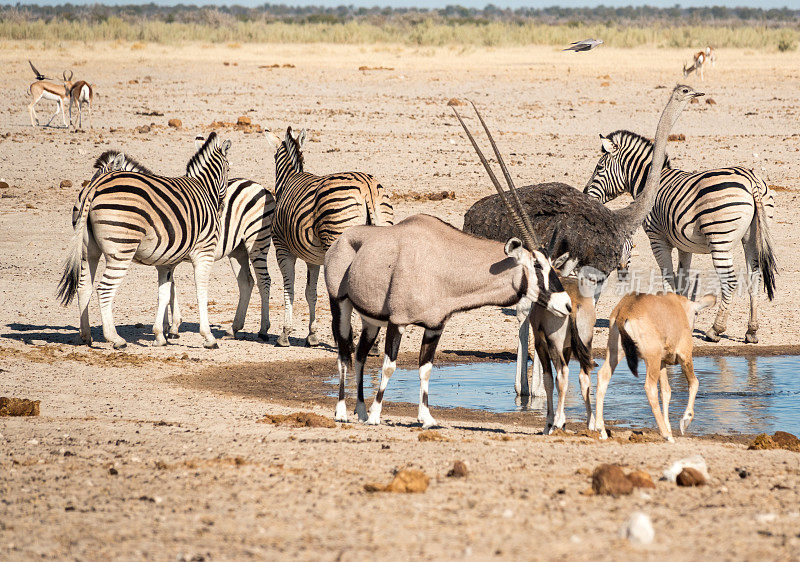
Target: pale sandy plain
<point>171,421</point>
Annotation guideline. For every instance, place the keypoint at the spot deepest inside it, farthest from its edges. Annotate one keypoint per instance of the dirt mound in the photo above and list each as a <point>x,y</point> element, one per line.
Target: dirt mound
<point>18,407</point>
<point>780,440</point>
<point>299,419</point>
<point>406,481</point>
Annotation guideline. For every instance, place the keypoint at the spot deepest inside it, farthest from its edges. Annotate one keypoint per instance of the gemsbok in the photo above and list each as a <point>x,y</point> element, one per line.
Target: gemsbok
<point>657,328</point>
<point>421,271</point>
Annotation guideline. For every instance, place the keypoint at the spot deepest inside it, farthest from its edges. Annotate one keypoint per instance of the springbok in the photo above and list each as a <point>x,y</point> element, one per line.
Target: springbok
<point>700,59</point>
<point>81,93</point>
<point>657,328</point>
<point>421,271</point>
<point>50,91</point>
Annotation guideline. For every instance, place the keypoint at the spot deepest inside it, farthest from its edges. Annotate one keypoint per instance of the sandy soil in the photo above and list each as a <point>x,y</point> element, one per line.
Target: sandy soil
<point>172,426</point>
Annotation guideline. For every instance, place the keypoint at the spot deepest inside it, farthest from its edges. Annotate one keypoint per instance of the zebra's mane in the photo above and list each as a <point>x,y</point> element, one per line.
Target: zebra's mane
<point>623,137</point>
<point>106,160</point>
<point>294,151</point>
<point>198,161</point>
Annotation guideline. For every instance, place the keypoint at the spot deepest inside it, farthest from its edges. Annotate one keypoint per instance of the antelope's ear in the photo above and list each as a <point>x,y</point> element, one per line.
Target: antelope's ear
<point>301,137</point>
<point>272,139</point>
<point>607,145</point>
<point>704,302</point>
<point>559,262</point>
<point>514,248</point>
<point>226,146</point>
<point>119,162</point>
<point>199,141</point>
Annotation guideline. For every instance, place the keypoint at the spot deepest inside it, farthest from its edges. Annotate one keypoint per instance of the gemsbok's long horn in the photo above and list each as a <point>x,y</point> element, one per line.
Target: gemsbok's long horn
<point>526,235</point>
<point>525,218</point>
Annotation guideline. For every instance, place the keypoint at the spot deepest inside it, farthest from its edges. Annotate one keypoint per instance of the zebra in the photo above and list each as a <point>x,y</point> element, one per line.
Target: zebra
<point>245,237</point>
<point>311,212</point>
<point>130,216</point>
<point>697,213</point>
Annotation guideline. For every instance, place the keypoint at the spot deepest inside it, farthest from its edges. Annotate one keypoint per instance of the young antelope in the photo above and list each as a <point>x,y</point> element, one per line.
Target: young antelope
<point>657,328</point>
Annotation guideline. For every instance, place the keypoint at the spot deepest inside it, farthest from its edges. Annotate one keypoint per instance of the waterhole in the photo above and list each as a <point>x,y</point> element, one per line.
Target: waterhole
<point>737,394</point>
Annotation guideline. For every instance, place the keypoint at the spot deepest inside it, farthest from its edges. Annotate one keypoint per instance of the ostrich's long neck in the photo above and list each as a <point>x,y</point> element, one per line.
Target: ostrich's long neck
<point>633,215</point>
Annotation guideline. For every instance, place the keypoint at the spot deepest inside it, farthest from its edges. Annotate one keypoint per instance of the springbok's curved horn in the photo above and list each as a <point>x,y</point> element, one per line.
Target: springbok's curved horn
<point>526,235</point>
<point>523,213</point>
<point>64,74</point>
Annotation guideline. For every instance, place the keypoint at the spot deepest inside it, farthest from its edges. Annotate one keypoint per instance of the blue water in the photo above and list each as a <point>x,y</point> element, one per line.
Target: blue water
<point>737,394</point>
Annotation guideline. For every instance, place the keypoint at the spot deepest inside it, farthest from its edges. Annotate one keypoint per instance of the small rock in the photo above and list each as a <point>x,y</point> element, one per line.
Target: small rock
<point>605,84</point>
<point>710,101</point>
<point>243,121</point>
<point>175,123</point>
<point>690,477</point>
<point>32,442</point>
<point>641,479</point>
<point>609,479</point>
<point>113,471</point>
<point>406,481</point>
<point>766,517</point>
<point>143,129</point>
<point>678,137</point>
<point>459,470</point>
<point>65,184</point>
<point>84,183</point>
<point>742,472</point>
<point>638,529</point>
<point>696,462</point>
<point>4,185</point>
<point>455,102</point>
<point>694,100</point>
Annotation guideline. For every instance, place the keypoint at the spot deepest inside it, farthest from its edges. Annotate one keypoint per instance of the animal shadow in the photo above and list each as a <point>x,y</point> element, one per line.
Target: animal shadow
<point>135,334</point>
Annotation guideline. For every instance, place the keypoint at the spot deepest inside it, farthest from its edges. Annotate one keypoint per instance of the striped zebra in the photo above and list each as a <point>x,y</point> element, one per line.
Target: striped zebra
<point>132,216</point>
<point>245,237</point>
<point>311,212</point>
<point>697,213</point>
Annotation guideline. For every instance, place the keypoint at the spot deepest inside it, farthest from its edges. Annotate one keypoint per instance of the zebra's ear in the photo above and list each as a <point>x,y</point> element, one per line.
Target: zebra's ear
<point>301,137</point>
<point>119,162</point>
<point>607,145</point>
<point>289,135</point>
<point>272,139</point>
<point>226,146</point>
<point>199,141</point>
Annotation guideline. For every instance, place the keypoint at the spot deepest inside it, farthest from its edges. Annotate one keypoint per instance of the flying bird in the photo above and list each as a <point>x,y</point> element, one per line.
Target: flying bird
<point>585,45</point>
<point>39,75</point>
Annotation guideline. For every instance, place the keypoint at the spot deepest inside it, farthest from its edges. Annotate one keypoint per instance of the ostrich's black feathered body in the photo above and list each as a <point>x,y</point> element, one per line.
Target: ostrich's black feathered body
<point>587,229</point>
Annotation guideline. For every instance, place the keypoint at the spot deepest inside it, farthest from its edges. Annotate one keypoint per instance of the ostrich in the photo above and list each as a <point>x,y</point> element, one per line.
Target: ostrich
<point>592,234</point>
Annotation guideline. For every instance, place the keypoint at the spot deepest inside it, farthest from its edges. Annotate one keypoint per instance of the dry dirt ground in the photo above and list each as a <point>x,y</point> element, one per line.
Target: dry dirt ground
<point>194,473</point>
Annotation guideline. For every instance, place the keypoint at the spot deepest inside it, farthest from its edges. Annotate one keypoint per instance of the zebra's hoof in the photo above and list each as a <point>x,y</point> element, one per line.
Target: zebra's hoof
<point>750,337</point>
<point>211,345</point>
<point>712,335</point>
<point>263,337</point>
<point>283,340</point>
<point>172,336</point>
<point>312,340</point>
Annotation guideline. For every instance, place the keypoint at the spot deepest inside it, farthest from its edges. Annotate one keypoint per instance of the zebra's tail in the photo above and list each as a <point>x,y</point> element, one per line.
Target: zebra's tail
<point>764,251</point>
<point>68,286</point>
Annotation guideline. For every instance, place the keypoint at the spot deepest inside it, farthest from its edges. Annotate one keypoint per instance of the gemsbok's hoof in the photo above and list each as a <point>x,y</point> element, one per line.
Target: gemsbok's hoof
<point>211,344</point>
<point>341,412</point>
<point>361,411</point>
<point>172,336</point>
<point>750,337</point>
<point>120,344</point>
<point>312,340</point>
<point>283,340</point>
<point>160,342</point>
<point>263,337</point>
